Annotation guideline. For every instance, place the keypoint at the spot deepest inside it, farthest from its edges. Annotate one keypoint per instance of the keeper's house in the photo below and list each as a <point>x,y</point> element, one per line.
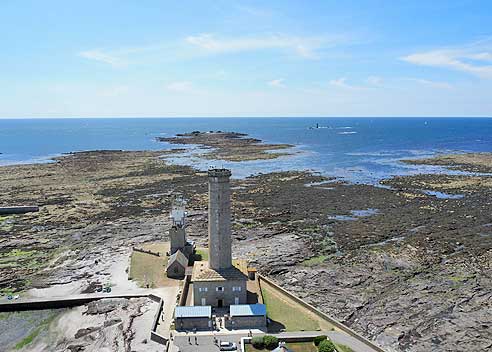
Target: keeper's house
<point>193,317</point>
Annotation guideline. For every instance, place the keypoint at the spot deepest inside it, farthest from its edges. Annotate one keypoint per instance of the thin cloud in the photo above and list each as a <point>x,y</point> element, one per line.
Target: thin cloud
<point>342,83</point>
<point>473,59</point>
<point>254,11</point>
<point>100,56</point>
<point>375,80</point>
<point>196,46</point>
<point>180,86</point>
<point>305,47</point>
<point>429,83</point>
<point>279,83</point>
<point>482,56</point>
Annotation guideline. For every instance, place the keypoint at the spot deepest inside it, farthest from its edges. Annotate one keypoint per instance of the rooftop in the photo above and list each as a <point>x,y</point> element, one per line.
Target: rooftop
<point>244,310</point>
<point>178,257</point>
<point>202,272</point>
<point>193,312</point>
<point>219,173</point>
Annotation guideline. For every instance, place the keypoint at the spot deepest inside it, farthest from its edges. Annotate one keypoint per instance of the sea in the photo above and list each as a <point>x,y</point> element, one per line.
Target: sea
<point>357,150</point>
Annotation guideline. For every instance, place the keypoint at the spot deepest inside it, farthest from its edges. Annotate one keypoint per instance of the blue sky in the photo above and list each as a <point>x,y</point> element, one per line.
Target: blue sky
<point>245,58</point>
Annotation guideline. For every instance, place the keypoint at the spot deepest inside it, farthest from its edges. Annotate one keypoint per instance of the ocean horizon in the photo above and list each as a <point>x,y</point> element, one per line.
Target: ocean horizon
<point>359,150</point>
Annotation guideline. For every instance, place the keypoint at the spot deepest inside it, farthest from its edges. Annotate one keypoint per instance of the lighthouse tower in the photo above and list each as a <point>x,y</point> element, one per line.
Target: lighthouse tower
<point>177,231</point>
<point>219,219</point>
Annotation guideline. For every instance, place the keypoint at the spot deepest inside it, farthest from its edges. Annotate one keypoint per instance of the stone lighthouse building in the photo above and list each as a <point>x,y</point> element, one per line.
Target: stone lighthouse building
<point>181,248</point>
<point>219,219</point>
<point>217,282</point>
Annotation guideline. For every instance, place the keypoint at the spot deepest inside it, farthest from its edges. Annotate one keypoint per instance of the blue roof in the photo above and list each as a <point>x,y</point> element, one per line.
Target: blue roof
<point>193,312</point>
<point>247,310</point>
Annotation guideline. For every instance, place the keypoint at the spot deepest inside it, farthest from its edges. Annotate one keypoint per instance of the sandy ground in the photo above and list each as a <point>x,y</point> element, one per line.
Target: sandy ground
<point>112,271</point>
<point>126,328</point>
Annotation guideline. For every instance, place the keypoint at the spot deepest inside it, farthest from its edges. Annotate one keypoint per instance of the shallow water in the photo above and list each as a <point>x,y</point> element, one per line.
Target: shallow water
<point>442,195</point>
<point>367,156</point>
<point>355,214</point>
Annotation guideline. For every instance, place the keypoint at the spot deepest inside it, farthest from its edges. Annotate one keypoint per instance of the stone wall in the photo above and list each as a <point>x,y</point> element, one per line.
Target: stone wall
<point>251,322</point>
<point>184,324</point>
<point>175,270</point>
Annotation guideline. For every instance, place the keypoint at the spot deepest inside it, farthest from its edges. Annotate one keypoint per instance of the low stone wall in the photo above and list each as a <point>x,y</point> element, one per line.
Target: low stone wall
<point>154,336</point>
<point>72,301</point>
<point>18,210</point>
<point>158,338</point>
<point>320,314</point>
<point>160,304</point>
<point>146,251</point>
<point>184,293</point>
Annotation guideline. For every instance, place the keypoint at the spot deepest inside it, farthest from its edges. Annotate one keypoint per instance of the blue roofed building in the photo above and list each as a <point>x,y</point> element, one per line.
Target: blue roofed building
<point>247,316</point>
<point>193,317</point>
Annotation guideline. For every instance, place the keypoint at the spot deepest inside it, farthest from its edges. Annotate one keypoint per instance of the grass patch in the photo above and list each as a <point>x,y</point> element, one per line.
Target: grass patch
<point>460,278</point>
<point>286,313</point>
<point>147,269</point>
<point>201,254</point>
<point>17,258</point>
<point>19,253</point>
<point>343,348</point>
<point>314,260</point>
<point>246,225</point>
<point>302,347</point>
<point>29,338</point>
<point>5,291</point>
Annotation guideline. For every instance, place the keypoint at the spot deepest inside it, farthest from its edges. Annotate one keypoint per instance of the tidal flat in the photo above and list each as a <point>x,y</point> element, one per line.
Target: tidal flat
<point>413,276</point>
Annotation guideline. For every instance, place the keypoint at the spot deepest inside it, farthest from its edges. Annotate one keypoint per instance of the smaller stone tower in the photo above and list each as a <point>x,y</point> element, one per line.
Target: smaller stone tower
<point>219,219</point>
<point>177,232</point>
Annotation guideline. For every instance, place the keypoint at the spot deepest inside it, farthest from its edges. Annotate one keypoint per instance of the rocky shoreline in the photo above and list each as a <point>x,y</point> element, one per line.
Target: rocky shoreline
<point>229,146</point>
<point>405,268</point>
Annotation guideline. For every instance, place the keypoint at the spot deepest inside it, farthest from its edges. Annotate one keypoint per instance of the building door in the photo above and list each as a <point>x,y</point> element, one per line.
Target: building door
<point>236,300</point>
<point>220,303</point>
<point>204,301</point>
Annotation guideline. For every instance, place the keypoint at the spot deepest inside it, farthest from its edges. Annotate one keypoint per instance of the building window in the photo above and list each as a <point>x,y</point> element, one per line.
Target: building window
<point>236,300</point>
<point>236,288</point>
<point>219,289</point>
<point>202,289</point>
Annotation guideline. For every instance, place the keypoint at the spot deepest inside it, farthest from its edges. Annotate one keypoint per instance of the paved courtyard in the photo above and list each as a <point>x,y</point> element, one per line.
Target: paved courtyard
<point>205,340</point>
<point>204,343</point>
